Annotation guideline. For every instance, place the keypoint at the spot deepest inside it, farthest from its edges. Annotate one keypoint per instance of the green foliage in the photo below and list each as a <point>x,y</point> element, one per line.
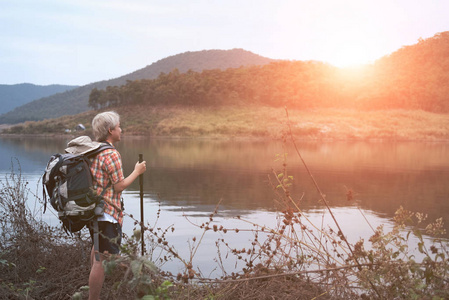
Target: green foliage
<point>5,263</point>
<point>162,292</point>
<point>395,269</point>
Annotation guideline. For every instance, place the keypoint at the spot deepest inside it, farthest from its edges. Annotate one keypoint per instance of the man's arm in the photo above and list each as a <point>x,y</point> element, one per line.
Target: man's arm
<point>139,169</point>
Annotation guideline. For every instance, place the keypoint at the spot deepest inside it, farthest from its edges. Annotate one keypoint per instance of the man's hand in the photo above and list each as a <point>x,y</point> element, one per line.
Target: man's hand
<point>140,168</point>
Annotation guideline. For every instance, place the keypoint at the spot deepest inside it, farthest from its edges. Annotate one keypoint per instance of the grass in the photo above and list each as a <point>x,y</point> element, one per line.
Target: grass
<point>260,122</point>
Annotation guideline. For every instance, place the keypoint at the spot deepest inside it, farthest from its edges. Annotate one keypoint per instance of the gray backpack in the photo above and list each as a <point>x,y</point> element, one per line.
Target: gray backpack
<point>67,181</point>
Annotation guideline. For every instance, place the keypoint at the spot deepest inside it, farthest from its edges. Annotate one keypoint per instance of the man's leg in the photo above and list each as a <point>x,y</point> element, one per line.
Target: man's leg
<point>96,277</point>
<point>108,232</point>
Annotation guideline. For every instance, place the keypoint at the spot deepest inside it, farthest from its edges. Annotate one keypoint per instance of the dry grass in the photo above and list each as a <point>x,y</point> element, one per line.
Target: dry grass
<point>314,124</point>
<point>261,122</point>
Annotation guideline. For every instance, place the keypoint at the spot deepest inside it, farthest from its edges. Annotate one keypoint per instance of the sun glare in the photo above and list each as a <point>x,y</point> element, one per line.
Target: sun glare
<point>350,55</point>
<point>348,59</point>
<point>331,32</point>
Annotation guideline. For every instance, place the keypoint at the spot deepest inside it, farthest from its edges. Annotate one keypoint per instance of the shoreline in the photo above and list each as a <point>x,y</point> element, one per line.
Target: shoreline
<point>255,123</point>
<point>237,138</point>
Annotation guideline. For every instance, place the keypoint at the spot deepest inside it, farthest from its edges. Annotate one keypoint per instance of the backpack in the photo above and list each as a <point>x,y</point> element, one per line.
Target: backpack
<point>68,182</point>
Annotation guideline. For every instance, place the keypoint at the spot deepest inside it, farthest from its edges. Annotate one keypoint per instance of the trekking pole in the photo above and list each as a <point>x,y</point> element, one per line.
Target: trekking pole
<point>141,205</point>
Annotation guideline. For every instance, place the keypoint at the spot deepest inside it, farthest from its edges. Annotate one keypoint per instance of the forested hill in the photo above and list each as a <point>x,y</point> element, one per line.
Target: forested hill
<point>14,95</point>
<point>76,101</point>
<point>414,77</point>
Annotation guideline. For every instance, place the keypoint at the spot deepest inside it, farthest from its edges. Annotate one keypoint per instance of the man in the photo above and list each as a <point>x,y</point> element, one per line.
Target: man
<point>108,174</point>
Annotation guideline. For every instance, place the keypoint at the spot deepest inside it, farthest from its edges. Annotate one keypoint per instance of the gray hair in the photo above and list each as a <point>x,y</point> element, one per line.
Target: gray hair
<point>102,123</point>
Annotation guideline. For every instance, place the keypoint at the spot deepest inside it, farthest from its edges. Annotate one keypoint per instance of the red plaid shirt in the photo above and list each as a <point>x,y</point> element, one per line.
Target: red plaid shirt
<point>107,167</point>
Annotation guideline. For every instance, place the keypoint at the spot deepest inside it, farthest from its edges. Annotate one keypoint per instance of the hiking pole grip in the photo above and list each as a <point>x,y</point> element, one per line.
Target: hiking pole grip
<point>141,207</point>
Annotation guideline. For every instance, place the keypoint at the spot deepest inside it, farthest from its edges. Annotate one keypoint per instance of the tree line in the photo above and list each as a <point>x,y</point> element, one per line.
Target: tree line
<point>414,77</point>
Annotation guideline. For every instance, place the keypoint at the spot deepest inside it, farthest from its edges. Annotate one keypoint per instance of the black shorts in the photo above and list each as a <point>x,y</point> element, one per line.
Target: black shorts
<point>109,238</point>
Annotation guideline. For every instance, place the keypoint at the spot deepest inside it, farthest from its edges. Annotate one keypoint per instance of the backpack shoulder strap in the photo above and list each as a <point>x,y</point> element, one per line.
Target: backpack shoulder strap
<point>94,152</point>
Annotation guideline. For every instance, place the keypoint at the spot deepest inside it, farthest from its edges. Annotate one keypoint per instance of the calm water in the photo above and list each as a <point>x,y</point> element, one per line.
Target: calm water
<point>187,178</point>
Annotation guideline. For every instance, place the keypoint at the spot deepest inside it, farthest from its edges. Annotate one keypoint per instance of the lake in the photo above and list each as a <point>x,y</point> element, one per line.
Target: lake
<point>186,179</point>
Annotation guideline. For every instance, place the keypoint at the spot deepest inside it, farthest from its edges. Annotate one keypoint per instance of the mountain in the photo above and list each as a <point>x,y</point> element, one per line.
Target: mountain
<point>413,78</point>
<point>199,61</point>
<point>75,101</point>
<point>15,95</point>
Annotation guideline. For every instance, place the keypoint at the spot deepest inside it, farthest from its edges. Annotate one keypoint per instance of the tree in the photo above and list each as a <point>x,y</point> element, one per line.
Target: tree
<point>94,98</point>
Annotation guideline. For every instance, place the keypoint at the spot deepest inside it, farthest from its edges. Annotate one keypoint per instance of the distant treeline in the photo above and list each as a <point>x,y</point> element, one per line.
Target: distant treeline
<point>76,100</point>
<point>280,83</point>
<point>414,77</point>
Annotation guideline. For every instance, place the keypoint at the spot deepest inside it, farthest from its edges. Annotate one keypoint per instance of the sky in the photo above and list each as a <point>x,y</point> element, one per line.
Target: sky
<point>77,42</point>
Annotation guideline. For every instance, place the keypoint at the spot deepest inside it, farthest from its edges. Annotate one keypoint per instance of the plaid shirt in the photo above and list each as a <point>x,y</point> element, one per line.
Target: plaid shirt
<point>107,167</point>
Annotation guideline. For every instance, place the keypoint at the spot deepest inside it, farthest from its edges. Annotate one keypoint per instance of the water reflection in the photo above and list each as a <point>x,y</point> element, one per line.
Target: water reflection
<point>31,152</point>
<point>197,174</point>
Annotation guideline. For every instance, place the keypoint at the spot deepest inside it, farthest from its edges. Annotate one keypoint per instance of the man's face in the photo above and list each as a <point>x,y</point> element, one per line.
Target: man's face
<point>116,133</point>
